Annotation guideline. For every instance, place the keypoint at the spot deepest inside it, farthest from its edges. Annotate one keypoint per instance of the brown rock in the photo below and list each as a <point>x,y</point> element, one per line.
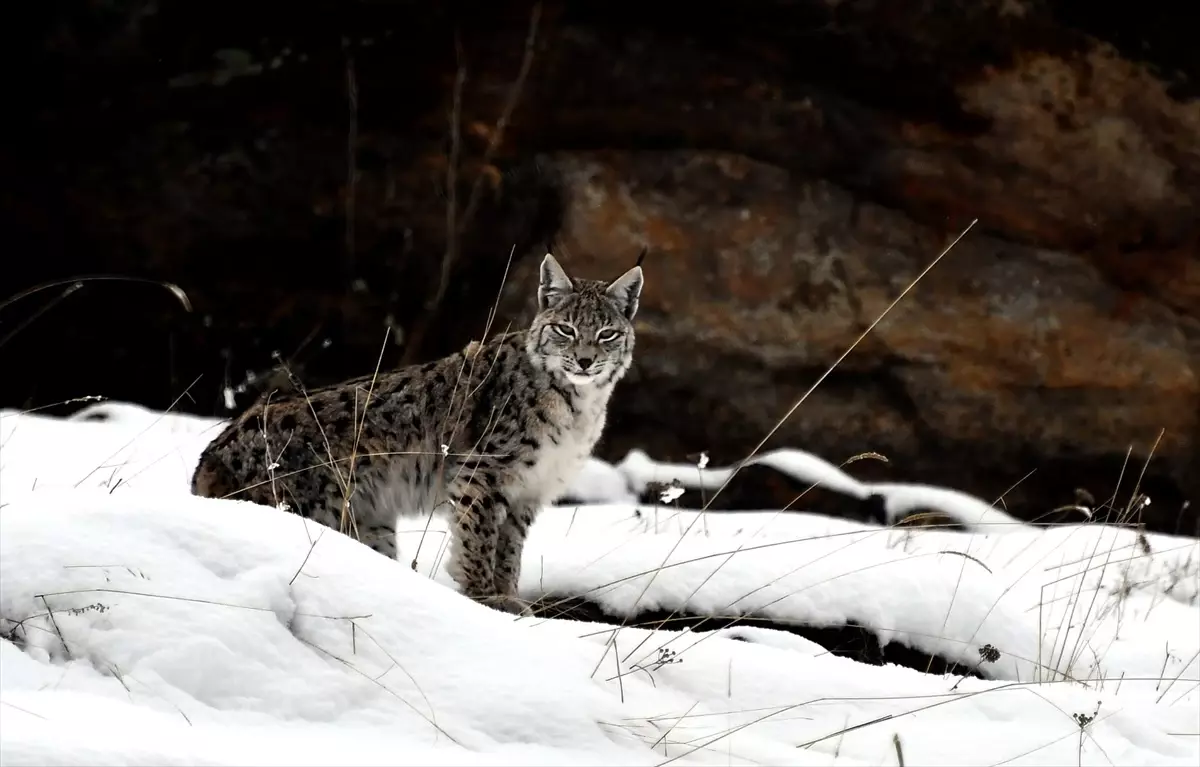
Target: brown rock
<point>1004,359</point>
<point>793,164</point>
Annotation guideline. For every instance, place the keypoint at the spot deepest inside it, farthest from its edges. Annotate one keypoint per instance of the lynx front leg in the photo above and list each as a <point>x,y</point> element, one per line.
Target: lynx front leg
<point>511,544</point>
<point>479,513</point>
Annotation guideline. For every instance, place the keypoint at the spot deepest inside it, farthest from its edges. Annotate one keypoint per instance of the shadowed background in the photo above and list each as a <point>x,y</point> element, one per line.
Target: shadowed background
<point>791,166</point>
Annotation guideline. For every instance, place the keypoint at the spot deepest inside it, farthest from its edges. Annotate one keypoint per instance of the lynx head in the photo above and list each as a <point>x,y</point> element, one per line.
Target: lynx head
<point>584,328</point>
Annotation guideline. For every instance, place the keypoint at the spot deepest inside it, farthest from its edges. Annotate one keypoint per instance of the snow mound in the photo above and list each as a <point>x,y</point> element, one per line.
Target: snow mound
<point>222,612</point>
<point>1078,602</point>
<point>640,470</point>
<point>142,625</point>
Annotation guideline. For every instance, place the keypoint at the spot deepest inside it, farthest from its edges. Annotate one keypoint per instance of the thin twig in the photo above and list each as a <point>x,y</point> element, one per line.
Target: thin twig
<point>175,290</point>
<point>452,229</point>
<point>195,600</point>
<point>843,356</point>
<point>510,105</point>
<point>745,461</point>
<point>351,160</point>
<point>74,286</point>
<point>456,226</point>
<point>152,424</point>
<point>54,623</point>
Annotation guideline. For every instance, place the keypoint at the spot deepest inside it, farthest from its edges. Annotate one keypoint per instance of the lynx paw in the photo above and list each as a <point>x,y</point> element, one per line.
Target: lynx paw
<point>507,604</point>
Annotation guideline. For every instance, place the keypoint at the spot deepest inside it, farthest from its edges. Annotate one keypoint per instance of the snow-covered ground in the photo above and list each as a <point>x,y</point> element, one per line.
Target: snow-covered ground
<point>145,626</point>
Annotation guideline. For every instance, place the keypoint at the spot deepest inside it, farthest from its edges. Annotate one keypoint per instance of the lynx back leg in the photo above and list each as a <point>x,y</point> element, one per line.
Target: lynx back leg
<point>370,517</point>
<point>320,495</point>
<point>380,534</point>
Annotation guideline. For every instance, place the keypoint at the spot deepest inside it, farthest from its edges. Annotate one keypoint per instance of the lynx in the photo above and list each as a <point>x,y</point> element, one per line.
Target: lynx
<point>490,434</point>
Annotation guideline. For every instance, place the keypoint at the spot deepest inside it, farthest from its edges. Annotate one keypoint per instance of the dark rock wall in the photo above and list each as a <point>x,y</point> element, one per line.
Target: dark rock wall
<point>791,166</point>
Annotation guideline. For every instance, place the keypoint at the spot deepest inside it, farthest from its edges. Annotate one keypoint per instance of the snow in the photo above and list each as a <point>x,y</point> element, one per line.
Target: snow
<point>640,470</point>
<point>153,627</point>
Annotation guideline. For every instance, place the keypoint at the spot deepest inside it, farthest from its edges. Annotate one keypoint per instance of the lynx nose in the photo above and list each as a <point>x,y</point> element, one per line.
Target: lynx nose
<point>584,362</point>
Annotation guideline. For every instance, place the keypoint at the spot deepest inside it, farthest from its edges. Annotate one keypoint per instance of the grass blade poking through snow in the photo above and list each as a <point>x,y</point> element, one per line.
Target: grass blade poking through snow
<point>793,409</point>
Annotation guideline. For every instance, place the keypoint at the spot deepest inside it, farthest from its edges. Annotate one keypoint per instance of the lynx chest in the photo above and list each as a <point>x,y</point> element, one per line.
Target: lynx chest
<point>565,440</point>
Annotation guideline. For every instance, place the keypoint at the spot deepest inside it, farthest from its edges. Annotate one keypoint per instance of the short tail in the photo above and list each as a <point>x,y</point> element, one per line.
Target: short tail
<point>213,479</point>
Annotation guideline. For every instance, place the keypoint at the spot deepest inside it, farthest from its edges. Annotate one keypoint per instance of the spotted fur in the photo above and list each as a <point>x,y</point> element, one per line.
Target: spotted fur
<point>491,433</point>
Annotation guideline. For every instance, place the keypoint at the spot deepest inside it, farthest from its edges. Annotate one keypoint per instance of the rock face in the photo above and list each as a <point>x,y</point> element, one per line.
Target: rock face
<point>792,167</point>
<point>1003,355</point>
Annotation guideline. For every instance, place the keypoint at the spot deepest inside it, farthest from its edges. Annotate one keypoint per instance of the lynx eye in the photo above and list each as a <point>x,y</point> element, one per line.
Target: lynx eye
<point>608,335</point>
<point>566,331</point>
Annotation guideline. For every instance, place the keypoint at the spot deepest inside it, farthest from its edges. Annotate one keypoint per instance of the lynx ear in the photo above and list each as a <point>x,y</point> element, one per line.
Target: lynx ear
<point>626,290</point>
<point>554,285</point>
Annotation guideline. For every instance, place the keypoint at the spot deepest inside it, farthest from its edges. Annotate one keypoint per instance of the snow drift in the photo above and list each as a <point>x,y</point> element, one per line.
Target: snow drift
<point>146,626</point>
